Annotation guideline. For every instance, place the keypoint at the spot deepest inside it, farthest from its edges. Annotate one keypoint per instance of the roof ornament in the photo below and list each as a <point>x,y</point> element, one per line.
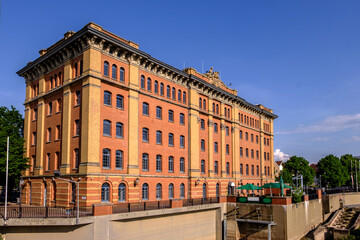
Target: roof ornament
<point>214,78</point>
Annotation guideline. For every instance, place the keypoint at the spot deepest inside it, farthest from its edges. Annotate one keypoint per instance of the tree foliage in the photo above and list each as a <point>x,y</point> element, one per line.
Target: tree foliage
<point>333,173</point>
<point>297,166</point>
<point>12,125</point>
<point>351,164</point>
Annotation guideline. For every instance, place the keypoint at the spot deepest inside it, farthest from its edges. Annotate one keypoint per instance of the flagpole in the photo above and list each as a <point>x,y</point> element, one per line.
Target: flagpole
<point>7,173</point>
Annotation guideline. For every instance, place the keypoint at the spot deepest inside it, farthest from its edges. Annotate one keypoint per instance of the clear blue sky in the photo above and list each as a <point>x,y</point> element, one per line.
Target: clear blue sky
<point>300,58</point>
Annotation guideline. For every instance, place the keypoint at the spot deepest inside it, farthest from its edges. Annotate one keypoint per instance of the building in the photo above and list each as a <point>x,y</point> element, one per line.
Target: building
<point>129,127</point>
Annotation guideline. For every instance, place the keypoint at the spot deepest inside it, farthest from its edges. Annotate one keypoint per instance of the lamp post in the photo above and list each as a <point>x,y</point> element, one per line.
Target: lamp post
<point>20,186</point>
<point>7,176</point>
<point>57,174</point>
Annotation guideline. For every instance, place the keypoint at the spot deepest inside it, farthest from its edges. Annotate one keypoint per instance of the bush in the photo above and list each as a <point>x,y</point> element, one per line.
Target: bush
<point>297,195</point>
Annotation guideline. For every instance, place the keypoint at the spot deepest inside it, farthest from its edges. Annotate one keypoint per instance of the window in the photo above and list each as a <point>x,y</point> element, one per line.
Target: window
<point>35,114</point>
<point>57,132</point>
<point>158,191</point>
<point>264,155</point>
<point>257,170</point>
<point>252,170</point>
<point>73,192</point>
<point>114,71</point>
<point>215,127</point>
<point>122,74</point>
<point>107,98</point>
<point>225,112</point>
<point>267,142</point>
<point>171,116</point>
<point>50,108</point>
<point>202,124</point>
<point>252,153</point>
<point>241,134</point>
<point>158,112</point>
<point>158,137</point>
<point>122,192</point>
<point>57,160</point>
<point>171,191</point>
<point>106,158</point>
<point>77,127</point>
<point>257,154</point>
<point>227,131</point>
<point>204,190</point>
<point>216,167</point>
<point>217,190</point>
<point>265,171</point>
<point>200,103</point>
<point>179,95</point>
<point>227,149</point>
<point>120,101</point>
<point>145,134</point>
<point>49,135</point>
<point>171,164</point>
<point>257,139</point>
<point>119,159</point>
<point>173,93</point>
<point>171,139</point>
<point>158,163</point>
<point>76,158</point>
<point>34,138</point>
<point>48,162</point>
<point>215,147</point>
<point>268,171</point>
<point>213,107</point>
<point>247,152</point>
<point>182,164</point>
<point>161,89</point>
<point>264,141</point>
<point>202,145</point>
<point>145,162</point>
<point>252,137</point>
<point>227,168</point>
<point>106,128</point>
<point>246,136</point>
<point>268,156</point>
<point>204,104</point>
<point>58,109</point>
<point>182,119</point>
<point>106,69</point>
<point>182,141</point>
<point>184,97</point>
<point>77,98</point>
<point>156,86</point>
<point>203,166</point>
<point>247,170</point>
<point>241,169</point>
<point>168,91</point>
<point>145,109</point>
<point>241,151</point>
<point>182,190</point>
<point>149,84</point>
<point>119,130</point>
<point>217,108</point>
<point>145,191</point>
<point>142,83</point>
<point>228,113</point>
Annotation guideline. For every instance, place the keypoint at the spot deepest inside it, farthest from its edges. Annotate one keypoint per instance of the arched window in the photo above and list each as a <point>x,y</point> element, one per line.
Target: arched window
<point>171,164</point>
<point>114,71</point>
<point>171,140</point>
<point>171,191</point>
<point>149,84</point>
<point>156,87</point>
<point>204,104</point>
<point>252,153</point>
<point>119,159</point>
<point>122,74</point>
<point>145,134</point>
<point>158,191</point>
<point>145,109</point>
<point>119,130</point>
<point>55,80</point>
<point>77,98</point>
<point>122,192</point>
<point>241,134</point>
<point>257,170</point>
<point>158,137</point>
<point>173,93</point>
<point>158,163</point>
<point>217,190</point>
<point>106,158</point>
<point>184,97</point>
<point>216,167</point>
<point>200,103</point>
<point>145,191</point>
<point>227,168</point>
<point>105,192</point>
<point>182,164</point>
<point>217,108</point>
<point>182,141</point>
<point>51,83</point>
<point>204,190</point>
<point>158,112</point>
<point>106,69</point>
<point>120,101</point>
<point>228,113</point>
<point>215,127</point>
<point>182,190</point>
<point>241,169</point>
<point>142,84</point>
<point>107,98</point>
<point>202,166</point>
<point>252,170</point>
<point>179,95</point>
<point>247,169</point>
<point>213,107</point>
<point>76,157</point>
<point>168,91</point>
<point>145,162</point>
<point>106,128</point>
<point>161,89</point>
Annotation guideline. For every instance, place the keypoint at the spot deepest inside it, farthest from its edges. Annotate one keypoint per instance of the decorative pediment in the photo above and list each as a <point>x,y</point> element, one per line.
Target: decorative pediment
<point>214,78</point>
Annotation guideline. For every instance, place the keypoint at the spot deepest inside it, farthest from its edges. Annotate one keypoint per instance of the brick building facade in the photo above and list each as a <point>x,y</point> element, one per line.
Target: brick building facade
<point>131,128</point>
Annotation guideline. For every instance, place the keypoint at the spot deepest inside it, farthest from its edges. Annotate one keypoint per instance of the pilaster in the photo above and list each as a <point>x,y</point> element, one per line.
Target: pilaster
<point>272,175</point>
<point>210,142</point>
<point>262,173</point>
<point>235,145</point>
<point>223,142</point>
<point>66,131</point>
<point>40,137</point>
<point>27,136</point>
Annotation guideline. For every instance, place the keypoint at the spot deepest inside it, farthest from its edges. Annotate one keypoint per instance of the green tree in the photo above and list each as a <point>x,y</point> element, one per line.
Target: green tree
<point>350,163</point>
<point>333,173</point>
<point>12,125</point>
<point>297,166</point>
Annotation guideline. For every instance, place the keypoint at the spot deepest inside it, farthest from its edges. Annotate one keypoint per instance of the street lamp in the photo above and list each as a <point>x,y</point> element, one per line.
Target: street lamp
<point>57,174</point>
